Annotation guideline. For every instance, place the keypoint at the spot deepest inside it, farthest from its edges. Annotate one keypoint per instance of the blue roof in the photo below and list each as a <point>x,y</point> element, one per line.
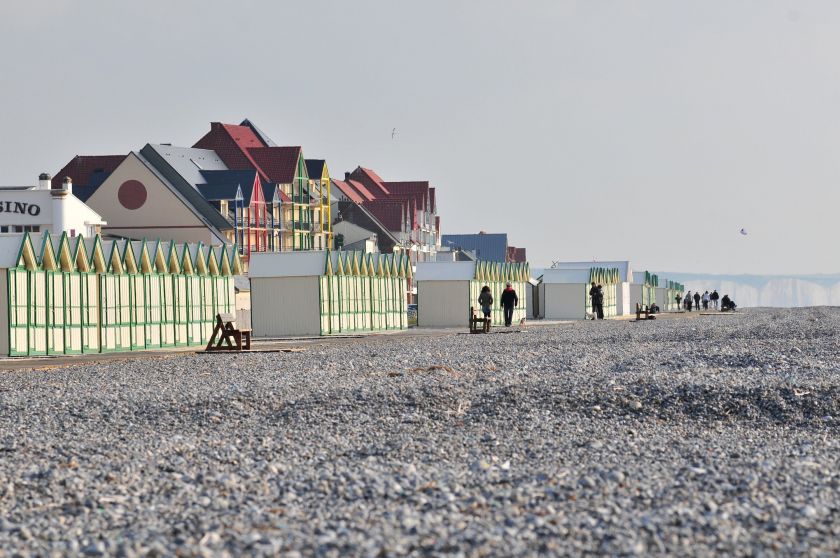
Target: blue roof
<point>225,182</point>
<point>487,247</point>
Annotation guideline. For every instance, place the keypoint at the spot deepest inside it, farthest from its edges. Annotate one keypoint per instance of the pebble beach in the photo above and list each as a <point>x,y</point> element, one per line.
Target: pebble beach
<point>689,436</point>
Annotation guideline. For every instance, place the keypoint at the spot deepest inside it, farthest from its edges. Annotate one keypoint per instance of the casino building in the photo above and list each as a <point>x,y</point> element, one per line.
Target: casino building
<point>47,207</point>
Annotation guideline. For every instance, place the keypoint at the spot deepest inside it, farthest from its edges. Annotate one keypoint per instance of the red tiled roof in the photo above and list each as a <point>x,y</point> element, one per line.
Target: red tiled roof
<point>371,180</point>
<point>416,190</point>
<point>81,167</point>
<point>360,188</point>
<point>347,190</point>
<point>387,211</point>
<point>231,143</point>
<point>278,163</point>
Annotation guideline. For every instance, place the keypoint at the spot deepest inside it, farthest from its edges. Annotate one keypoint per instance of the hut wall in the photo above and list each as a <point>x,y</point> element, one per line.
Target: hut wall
<point>5,332</point>
<point>642,294</point>
<point>661,298</point>
<point>444,303</point>
<point>533,301</point>
<point>564,301</point>
<point>622,299</point>
<point>286,306</point>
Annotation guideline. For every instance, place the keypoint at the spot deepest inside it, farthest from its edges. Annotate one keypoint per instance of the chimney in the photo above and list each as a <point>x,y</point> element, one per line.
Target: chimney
<point>346,176</point>
<point>59,205</point>
<point>44,180</point>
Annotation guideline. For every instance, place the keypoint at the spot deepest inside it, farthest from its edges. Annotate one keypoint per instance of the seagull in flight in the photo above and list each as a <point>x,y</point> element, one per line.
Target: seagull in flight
<point>744,232</point>
<point>393,133</point>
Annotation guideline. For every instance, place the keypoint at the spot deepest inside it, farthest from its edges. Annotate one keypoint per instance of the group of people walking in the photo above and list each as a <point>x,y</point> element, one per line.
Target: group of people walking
<point>707,300</point>
<point>509,301</point>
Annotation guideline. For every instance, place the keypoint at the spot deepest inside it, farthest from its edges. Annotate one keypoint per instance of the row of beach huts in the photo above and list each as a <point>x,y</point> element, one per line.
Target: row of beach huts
<point>73,295</point>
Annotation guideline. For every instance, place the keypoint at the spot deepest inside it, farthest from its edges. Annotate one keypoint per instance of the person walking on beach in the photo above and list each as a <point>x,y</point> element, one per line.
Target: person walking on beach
<point>485,300</point>
<point>697,300</point>
<point>593,298</point>
<point>509,301</point>
<point>678,298</point>
<point>706,299</point>
<point>687,301</point>
<point>714,297</point>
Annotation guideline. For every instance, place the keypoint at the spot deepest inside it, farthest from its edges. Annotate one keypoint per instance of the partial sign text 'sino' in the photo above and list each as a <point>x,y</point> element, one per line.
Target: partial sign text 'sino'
<point>20,207</point>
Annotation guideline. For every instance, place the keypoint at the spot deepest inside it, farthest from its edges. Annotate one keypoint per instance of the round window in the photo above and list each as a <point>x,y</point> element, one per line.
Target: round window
<point>132,194</point>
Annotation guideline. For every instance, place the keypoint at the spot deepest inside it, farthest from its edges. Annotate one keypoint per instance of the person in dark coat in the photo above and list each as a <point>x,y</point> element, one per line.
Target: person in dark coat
<point>727,303</point>
<point>485,300</point>
<point>697,300</point>
<point>509,301</point>
<point>599,312</point>
<point>593,298</point>
<point>678,298</point>
<point>714,297</point>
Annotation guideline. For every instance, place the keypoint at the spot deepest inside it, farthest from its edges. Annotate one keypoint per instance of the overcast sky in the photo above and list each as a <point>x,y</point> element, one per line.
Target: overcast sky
<point>650,131</point>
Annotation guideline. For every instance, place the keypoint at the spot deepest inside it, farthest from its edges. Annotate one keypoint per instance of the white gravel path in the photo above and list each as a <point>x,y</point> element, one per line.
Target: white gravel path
<point>683,437</point>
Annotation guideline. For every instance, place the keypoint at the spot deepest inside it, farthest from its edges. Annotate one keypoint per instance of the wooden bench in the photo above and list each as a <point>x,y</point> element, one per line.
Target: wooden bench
<point>478,324</point>
<point>230,337</point>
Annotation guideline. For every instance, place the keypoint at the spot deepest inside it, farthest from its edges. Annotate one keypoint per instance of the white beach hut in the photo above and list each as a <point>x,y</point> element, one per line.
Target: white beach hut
<point>322,293</point>
<point>622,287</point>
<point>564,293</point>
<point>447,290</point>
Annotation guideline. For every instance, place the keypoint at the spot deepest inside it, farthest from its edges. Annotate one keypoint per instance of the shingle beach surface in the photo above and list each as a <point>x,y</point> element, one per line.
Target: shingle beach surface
<point>705,436</point>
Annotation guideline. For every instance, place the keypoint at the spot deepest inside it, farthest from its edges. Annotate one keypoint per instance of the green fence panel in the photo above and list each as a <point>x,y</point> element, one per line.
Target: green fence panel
<point>208,304</point>
<point>335,305</point>
<point>55,313</point>
<point>109,303</point>
<point>389,303</point>
<point>167,327</point>
<point>344,308</point>
<point>154,312</point>
<point>181,300</point>
<point>403,309</point>
<point>367,319</point>
<point>90,313</point>
<point>324,304</point>
<point>377,301</point>
<point>195,311</point>
<point>73,332</point>
<point>18,312</point>
<point>139,311</point>
<point>124,312</point>
<point>38,313</point>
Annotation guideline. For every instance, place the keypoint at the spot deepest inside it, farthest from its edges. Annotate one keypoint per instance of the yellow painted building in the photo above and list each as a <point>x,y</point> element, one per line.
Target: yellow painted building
<point>319,189</point>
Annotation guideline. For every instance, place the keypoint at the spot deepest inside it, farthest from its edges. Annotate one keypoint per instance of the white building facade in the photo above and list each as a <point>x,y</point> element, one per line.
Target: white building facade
<point>35,209</point>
